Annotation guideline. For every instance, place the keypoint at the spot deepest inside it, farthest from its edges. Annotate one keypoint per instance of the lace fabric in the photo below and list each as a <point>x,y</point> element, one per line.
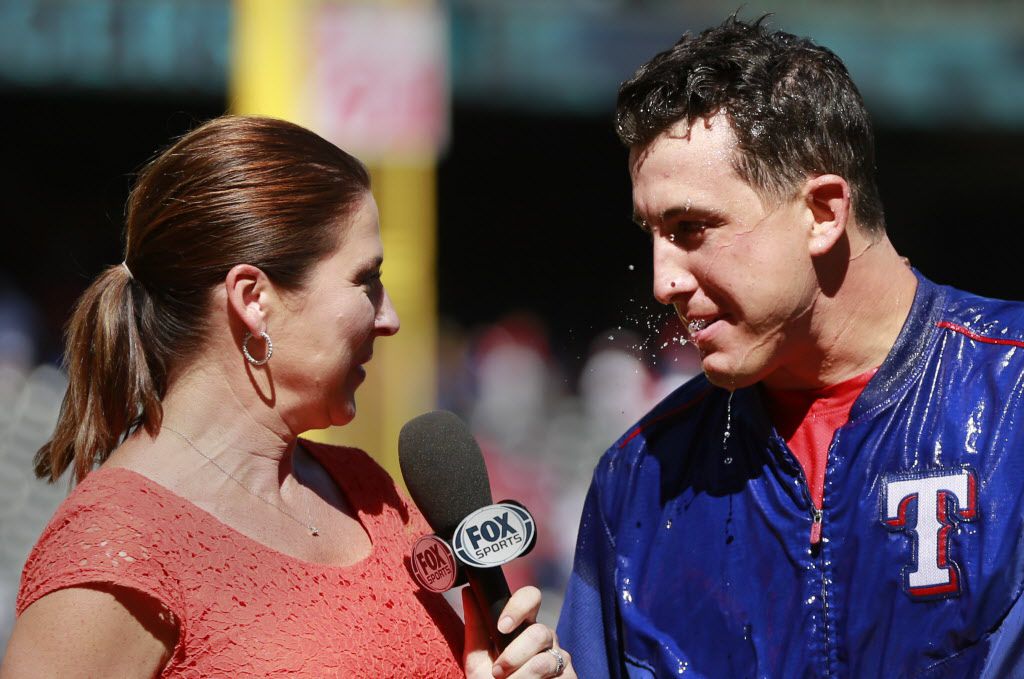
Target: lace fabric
<point>243,609</point>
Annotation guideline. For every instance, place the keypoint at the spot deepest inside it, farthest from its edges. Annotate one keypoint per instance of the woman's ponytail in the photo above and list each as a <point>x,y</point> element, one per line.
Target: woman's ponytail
<point>110,384</point>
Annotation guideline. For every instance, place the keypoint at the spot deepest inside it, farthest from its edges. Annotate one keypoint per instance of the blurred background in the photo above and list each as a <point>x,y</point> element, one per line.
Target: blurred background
<point>523,287</point>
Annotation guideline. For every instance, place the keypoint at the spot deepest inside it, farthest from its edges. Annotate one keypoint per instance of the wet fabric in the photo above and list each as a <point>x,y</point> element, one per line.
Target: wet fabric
<point>693,560</point>
<point>243,609</point>
<point>807,419</point>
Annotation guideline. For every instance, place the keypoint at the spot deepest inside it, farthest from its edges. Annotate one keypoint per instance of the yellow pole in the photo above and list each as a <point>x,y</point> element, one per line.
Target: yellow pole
<point>269,60</point>
<point>408,207</point>
<point>267,57</point>
<point>402,378</point>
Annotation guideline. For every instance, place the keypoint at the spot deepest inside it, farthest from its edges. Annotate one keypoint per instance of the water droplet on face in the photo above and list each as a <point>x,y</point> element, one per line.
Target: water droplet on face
<point>631,267</point>
<point>668,523</point>
<point>627,597</point>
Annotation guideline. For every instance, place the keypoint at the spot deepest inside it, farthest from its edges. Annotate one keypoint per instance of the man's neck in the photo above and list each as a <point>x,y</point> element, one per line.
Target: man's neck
<point>855,327</point>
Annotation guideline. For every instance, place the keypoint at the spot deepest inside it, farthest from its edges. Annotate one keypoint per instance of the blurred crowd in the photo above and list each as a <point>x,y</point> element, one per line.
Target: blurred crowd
<point>31,389</point>
<point>542,418</point>
<point>543,421</point>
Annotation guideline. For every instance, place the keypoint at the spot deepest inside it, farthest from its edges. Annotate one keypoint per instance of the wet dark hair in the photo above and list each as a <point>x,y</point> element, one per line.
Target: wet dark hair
<point>237,189</point>
<point>791,103</point>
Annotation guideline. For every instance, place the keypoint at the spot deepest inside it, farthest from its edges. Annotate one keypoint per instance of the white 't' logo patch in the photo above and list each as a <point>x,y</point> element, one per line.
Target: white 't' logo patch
<point>941,497</point>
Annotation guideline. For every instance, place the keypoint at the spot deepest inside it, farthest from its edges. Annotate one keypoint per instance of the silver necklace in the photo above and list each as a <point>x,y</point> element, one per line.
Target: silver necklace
<point>313,530</point>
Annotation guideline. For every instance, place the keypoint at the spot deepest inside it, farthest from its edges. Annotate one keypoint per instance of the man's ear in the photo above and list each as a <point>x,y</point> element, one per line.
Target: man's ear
<point>248,290</point>
<point>827,198</point>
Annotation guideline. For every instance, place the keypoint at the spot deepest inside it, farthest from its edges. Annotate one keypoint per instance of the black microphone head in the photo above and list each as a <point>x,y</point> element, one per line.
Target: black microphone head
<point>443,469</point>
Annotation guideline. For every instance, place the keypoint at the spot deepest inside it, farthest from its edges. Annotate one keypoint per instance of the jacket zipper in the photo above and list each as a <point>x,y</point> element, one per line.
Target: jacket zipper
<point>816,517</point>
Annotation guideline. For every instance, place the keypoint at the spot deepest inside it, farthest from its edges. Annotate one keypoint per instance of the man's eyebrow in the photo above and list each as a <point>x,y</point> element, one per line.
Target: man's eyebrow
<point>689,210</point>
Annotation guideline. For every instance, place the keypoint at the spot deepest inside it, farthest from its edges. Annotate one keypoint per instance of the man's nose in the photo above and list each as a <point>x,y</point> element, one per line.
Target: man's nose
<point>672,277</point>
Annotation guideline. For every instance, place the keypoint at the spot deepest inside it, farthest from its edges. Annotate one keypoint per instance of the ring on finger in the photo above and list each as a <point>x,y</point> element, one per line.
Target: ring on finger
<point>559,661</point>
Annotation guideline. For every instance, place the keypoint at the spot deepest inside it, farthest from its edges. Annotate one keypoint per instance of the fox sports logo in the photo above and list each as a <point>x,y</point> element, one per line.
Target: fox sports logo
<point>494,535</point>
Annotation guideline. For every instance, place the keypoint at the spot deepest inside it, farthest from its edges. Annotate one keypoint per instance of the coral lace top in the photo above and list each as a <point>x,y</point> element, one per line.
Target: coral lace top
<point>243,609</point>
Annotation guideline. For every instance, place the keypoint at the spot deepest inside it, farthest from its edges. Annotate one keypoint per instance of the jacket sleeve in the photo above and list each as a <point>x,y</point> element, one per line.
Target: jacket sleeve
<point>589,626</point>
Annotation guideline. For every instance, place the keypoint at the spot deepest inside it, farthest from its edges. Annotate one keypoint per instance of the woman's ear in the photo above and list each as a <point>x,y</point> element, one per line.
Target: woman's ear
<point>248,290</point>
<point>827,198</point>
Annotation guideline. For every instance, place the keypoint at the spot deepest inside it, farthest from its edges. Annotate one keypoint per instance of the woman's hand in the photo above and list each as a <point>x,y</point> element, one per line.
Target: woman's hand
<point>534,653</point>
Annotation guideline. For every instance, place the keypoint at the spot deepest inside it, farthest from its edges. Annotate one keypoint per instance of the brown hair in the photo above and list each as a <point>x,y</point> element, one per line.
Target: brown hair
<point>791,103</point>
<point>237,189</point>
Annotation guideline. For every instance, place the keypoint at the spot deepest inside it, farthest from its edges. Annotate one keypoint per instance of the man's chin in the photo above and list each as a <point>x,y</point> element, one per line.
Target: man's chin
<point>727,377</point>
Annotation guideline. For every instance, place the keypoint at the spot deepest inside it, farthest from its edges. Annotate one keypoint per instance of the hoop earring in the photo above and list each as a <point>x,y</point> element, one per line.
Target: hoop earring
<point>245,348</point>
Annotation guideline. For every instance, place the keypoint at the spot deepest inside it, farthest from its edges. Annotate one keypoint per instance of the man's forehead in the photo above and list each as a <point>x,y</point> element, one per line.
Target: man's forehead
<point>703,139</point>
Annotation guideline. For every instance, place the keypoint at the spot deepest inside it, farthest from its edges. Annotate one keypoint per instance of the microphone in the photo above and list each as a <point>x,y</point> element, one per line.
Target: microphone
<point>447,479</point>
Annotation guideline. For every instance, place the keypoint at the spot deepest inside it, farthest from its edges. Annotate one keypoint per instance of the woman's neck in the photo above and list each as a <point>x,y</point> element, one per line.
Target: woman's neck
<point>207,414</point>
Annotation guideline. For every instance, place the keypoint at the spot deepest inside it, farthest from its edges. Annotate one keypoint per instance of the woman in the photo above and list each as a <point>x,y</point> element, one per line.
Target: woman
<point>213,541</point>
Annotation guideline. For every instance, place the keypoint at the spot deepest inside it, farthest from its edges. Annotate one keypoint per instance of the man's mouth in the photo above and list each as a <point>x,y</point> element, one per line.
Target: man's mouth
<point>701,329</point>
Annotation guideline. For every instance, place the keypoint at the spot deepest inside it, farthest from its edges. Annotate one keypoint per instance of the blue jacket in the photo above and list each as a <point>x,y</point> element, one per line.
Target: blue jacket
<point>694,556</point>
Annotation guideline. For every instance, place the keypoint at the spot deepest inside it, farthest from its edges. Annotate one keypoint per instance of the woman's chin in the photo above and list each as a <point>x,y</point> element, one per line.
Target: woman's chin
<point>336,414</point>
<point>344,414</point>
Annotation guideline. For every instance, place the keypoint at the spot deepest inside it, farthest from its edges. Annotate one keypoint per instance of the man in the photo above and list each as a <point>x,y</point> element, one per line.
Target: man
<point>840,494</point>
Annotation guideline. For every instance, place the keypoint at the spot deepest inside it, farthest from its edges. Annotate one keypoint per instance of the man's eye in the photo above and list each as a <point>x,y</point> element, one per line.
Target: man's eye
<point>685,230</point>
<point>690,228</point>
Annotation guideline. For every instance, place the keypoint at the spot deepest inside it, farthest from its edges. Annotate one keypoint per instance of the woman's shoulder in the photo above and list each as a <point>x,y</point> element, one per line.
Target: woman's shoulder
<point>114,496</point>
<point>112,529</point>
